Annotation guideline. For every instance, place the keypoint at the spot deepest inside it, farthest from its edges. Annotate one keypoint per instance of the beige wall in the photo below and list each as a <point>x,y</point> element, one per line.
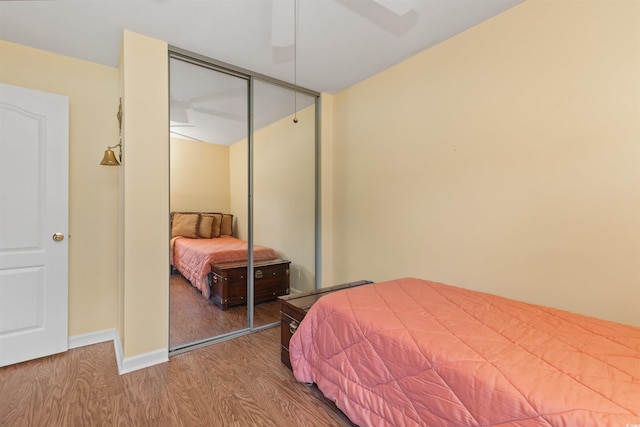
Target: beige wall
<point>93,189</point>
<point>505,159</point>
<point>284,198</point>
<point>145,219</point>
<point>284,193</point>
<point>327,135</point>
<point>199,174</point>
<point>238,183</point>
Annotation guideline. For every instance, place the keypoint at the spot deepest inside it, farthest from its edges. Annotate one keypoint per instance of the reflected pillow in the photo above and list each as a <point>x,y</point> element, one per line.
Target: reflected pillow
<point>226,225</point>
<point>185,225</point>
<point>215,224</point>
<point>205,226</point>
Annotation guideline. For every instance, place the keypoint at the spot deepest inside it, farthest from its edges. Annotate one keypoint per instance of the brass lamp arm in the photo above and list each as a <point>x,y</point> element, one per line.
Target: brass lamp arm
<point>109,158</point>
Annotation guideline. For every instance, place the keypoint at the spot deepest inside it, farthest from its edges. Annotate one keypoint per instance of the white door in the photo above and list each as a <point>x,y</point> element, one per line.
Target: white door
<point>34,183</point>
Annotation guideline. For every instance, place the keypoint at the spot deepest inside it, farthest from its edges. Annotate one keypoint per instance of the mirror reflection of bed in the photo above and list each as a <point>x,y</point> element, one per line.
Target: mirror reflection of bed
<point>209,278</point>
<point>209,173</point>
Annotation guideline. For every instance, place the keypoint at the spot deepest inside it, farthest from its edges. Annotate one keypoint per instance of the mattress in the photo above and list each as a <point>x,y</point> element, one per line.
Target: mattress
<point>411,352</point>
<point>193,257</point>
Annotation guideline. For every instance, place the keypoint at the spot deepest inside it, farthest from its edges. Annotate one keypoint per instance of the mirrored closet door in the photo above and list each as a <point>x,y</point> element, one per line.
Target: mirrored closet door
<point>284,167</point>
<point>243,199</point>
<point>208,116</point>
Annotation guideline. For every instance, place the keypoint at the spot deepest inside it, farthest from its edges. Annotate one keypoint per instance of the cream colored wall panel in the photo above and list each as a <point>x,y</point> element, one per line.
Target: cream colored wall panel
<point>326,188</point>
<point>199,177</point>
<point>238,184</point>
<point>504,159</point>
<point>146,195</point>
<point>284,197</point>
<point>284,193</point>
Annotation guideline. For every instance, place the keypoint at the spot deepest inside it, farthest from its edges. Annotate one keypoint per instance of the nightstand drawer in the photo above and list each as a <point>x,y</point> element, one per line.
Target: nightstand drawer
<point>288,327</point>
<point>294,307</point>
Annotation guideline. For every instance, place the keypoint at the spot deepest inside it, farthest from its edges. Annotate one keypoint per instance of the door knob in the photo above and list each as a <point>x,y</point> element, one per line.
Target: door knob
<point>58,237</point>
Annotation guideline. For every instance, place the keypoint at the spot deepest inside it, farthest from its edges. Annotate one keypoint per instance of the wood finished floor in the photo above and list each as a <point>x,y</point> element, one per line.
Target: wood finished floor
<point>193,318</point>
<point>240,382</point>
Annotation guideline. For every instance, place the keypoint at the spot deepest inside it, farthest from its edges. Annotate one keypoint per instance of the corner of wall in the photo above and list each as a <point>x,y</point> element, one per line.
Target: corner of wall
<point>145,197</point>
<point>326,186</point>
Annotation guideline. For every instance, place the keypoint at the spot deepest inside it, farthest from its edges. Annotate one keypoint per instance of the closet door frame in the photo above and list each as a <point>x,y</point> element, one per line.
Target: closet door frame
<point>200,60</point>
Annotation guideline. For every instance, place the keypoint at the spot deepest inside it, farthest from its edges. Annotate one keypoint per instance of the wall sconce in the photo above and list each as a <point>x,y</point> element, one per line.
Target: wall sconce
<point>109,158</point>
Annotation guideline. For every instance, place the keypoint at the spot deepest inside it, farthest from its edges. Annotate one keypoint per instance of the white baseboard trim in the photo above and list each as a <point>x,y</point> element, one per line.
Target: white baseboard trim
<point>125,365</point>
<point>117,347</point>
<point>92,338</point>
<point>142,361</point>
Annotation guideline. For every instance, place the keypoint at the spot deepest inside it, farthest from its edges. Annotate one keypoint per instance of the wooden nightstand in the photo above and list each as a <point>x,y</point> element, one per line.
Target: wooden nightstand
<point>294,307</point>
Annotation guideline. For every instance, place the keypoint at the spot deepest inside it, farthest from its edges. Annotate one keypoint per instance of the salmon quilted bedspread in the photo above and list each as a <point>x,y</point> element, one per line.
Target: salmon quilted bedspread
<point>411,352</point>
<point>193,257</point>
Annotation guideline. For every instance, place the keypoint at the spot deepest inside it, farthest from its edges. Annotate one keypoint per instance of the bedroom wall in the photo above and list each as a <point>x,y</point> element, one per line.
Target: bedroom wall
<point>93,189</point>
<point>199,176</point>
<point>284,193</point>
<point>284,197</point>
<point>505,159</point>
<point>326,188</point>
<point>238,182</point>
<point>144,215</point>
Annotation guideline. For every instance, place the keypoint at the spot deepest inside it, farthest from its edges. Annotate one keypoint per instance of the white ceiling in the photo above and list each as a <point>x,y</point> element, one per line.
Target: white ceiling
<point>339,42</point>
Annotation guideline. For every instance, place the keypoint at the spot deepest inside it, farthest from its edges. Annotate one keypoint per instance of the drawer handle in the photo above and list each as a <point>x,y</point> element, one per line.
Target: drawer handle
<point>293,327</point>
<point>258,274</point>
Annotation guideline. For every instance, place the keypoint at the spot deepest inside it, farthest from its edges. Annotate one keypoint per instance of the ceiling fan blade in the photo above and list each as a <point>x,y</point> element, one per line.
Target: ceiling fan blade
<point>182,125</point>
<point>216,96</point>
<point>219,113</point>
<point>181,135</point>
<point>178,112</point>
<point>399,7</point>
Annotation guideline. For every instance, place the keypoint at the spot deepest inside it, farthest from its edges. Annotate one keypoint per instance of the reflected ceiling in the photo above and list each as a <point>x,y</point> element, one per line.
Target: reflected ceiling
<point>210,106</point>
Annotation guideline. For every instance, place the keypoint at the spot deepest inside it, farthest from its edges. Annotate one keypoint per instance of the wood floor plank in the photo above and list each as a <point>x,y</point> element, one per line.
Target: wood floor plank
<point>239,382</point>
<point>193,318</point>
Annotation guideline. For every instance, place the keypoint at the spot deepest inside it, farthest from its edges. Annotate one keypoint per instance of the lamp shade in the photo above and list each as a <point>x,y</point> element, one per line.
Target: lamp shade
<point>109,158</point>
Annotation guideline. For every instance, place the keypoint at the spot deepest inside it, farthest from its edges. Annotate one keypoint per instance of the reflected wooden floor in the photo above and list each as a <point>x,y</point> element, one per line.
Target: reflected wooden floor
<point>240,382</point>
<point>193,318</point>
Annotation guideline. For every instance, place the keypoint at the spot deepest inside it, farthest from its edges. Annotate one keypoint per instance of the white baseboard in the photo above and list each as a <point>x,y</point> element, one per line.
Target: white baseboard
<point>92,338</point>
<point>117,347</point>
<point>125,365</point>
<point>142,361</point>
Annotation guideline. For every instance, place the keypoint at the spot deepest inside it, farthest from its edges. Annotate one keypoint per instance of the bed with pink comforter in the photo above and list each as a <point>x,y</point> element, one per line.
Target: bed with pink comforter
<point>415,353</point>
<point>193,257</point>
